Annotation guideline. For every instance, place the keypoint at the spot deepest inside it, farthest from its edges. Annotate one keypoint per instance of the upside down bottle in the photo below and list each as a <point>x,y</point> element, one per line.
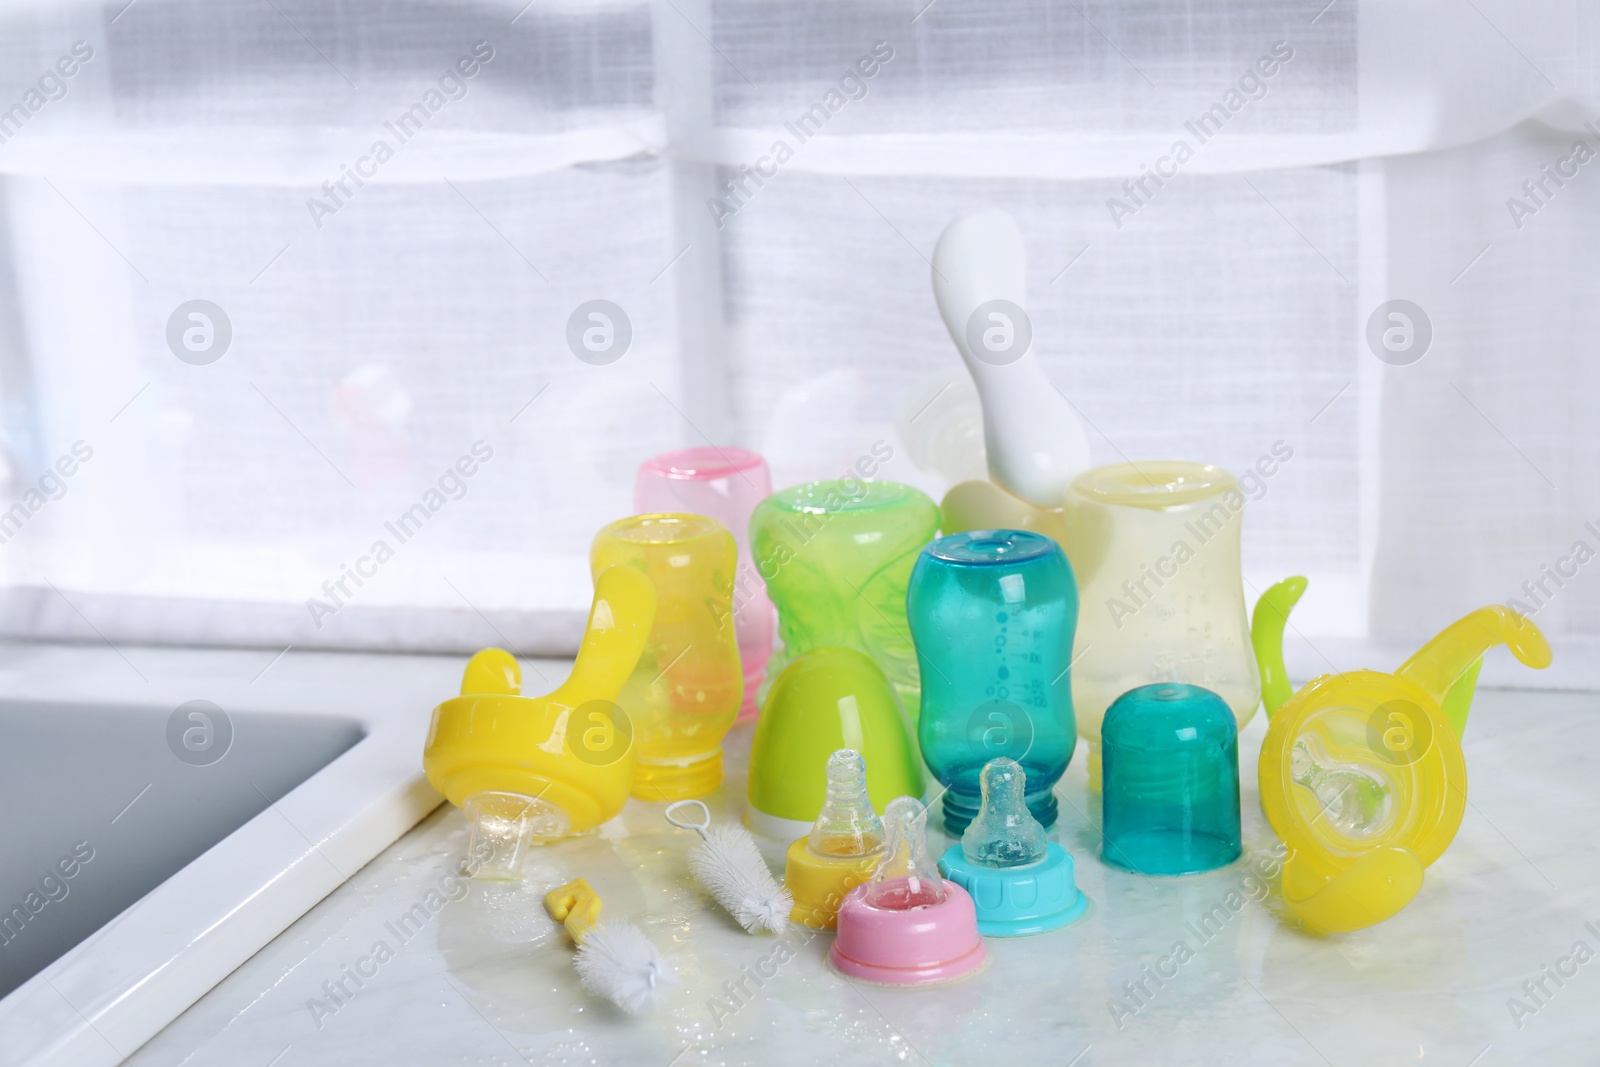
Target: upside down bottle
<point>686,690</point>
<point>992,613</point>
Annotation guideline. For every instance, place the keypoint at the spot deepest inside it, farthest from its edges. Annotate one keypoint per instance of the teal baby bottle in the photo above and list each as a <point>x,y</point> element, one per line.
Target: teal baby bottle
<point>992,614</point>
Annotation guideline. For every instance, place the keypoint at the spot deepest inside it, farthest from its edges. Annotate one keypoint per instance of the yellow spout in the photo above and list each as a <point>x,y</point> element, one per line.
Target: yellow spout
<point>1438,665</point>
<point>619,624</point>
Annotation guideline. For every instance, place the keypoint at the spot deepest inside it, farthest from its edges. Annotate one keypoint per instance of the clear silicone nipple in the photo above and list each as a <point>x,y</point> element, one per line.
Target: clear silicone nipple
<point>504,827</point>
<point>906,878</point>
<point>847,825</point>
<point>1005,833</point>
<point>1354,800</point>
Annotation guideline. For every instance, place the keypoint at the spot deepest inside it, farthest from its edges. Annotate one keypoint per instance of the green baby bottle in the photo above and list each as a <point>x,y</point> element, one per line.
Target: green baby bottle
<point>837,558</point>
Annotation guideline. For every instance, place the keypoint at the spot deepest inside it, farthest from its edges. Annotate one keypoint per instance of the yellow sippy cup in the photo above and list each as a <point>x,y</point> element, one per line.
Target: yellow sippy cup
<point>687,687</point>
<point>528,769</point>
<point>1361,773</point>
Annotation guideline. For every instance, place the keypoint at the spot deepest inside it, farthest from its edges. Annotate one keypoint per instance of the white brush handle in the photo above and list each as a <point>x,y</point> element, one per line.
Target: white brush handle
<point>1035,443</point>
<point>684,824</point>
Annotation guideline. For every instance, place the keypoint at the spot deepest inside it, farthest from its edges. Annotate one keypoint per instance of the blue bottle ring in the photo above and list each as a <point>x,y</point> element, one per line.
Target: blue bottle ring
<point>1017,901</point>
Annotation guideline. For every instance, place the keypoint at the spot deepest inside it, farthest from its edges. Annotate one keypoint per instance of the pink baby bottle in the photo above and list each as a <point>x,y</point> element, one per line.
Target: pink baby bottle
<point>725,484</point>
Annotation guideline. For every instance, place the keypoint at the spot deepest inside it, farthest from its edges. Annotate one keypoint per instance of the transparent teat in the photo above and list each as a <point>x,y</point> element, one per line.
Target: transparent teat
<point>1355,799</point>
<point>504,827</point>
<point>847,826</point>
<point>1005,833</point>
<point>906,878</point>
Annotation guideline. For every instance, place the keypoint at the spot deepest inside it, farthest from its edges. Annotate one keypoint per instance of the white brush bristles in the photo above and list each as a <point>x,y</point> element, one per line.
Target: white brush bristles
<point>730,866</point>
<point>617,961</point>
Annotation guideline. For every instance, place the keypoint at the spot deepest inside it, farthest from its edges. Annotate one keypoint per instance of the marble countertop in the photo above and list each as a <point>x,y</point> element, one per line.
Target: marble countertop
<point>479,975</point>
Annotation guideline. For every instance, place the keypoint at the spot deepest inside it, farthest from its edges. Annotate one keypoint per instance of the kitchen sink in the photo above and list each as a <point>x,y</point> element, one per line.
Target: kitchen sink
<point>113,809</point>
<point>168,812</point>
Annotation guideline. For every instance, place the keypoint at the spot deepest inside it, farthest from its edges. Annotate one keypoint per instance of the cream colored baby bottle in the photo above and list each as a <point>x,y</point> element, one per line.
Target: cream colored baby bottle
<point>1155,548</point>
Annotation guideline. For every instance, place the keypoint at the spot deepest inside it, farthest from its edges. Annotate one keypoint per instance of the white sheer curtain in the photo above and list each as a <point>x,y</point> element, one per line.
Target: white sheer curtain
<point>605,152</point>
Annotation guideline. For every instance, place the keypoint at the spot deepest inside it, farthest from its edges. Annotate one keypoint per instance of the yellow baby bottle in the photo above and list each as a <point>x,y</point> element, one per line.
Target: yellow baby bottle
<point>686,689</point>
<point>1361,773</point>
<point>533,768</point>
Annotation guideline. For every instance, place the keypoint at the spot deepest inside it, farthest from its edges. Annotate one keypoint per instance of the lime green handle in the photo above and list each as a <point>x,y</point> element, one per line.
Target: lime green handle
<point>1457,701</point>
<point>1266,635</point>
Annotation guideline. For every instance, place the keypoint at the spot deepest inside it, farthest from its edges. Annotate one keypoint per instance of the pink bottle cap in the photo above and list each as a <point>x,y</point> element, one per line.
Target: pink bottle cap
<point>932,943</point>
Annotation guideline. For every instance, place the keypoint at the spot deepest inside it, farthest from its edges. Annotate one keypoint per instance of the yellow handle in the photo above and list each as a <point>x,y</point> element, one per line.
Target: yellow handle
<point>575,905</point>
<point>619,624</point>
<point>1440,662</point>
<point>493,738</point>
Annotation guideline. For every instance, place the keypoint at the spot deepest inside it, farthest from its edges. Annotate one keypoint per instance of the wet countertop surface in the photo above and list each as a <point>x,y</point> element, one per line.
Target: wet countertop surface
<point>407,965</point>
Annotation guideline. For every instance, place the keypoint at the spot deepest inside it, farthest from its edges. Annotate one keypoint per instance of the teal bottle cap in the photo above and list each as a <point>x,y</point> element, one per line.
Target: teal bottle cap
<point>1171,781</point>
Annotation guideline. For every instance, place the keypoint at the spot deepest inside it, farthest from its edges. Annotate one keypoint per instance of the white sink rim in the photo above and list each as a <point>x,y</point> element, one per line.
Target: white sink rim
<point>107,996</point>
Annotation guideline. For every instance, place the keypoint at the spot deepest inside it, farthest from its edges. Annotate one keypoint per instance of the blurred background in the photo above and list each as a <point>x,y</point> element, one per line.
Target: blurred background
<point>261,340</point>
